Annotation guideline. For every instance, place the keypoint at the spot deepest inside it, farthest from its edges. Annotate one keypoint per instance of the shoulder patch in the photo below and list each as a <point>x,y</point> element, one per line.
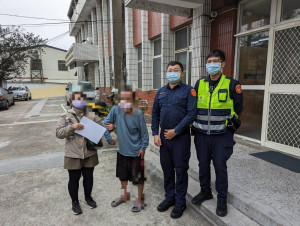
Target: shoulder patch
<point>238,88</point>
<point>162,93</point>
<point>193,91</point>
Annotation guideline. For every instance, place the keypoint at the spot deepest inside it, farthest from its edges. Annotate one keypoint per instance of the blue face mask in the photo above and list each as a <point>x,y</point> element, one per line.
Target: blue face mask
<point>213,68</point>
<point>173,77</point>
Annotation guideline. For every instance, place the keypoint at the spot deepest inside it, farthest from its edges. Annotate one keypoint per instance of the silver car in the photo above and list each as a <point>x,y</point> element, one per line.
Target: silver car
<point>6,98</point>
<point>85,87</point>
<point>20,92</point>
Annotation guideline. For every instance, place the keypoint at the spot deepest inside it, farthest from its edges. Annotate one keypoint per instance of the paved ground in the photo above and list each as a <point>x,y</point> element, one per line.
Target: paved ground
<point>270,187</point>
<point>34,184</point>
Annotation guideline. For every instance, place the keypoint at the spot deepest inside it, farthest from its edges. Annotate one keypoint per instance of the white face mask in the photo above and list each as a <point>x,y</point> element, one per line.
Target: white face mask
<point>126,106</point>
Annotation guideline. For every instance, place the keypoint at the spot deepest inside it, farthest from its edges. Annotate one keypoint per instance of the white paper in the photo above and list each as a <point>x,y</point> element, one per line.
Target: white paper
<point>92,130</point>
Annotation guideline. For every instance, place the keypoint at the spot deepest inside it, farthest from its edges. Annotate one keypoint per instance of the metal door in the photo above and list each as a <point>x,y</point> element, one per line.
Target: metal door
<point>281,117</point>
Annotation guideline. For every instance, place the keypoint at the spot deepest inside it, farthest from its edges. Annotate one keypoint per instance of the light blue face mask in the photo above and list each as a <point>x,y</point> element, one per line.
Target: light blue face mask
<point>213,68</point>
<point>173,77</point>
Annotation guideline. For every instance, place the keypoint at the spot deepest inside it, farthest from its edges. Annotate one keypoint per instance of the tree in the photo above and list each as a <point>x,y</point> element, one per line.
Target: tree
<point>16,46</point>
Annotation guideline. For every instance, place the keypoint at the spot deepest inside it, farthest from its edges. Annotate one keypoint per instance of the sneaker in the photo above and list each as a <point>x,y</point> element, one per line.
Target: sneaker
<point>177,211</point>
<point>91,202</point>
<point>76,208</point>
<point>201,197</point>
<point>164,205</point>
<point>221,210</point>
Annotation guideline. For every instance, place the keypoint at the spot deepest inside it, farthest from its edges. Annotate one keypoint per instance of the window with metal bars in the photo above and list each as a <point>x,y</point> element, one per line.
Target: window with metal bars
<point>62,65</point>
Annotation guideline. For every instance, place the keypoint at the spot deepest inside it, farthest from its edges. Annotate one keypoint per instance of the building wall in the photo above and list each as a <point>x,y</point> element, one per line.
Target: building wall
<point>179,21</point>
<point>146,95</point>
<point>154,24</point>
<point>137,26</point>
<point>50,58</point>
<point>223,29</point>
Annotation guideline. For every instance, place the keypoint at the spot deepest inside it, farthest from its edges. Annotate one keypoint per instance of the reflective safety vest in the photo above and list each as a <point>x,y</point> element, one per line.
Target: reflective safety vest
<point>213,109</point>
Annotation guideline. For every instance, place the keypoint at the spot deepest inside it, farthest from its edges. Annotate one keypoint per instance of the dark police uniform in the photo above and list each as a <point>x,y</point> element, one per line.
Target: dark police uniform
<point>175,109</point>
<point>213,140</point>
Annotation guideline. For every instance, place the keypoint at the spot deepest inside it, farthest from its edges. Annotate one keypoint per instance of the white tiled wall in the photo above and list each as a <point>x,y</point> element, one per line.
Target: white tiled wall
<point>131,51</point>
<point>147,54</point>
<point>200,41</point>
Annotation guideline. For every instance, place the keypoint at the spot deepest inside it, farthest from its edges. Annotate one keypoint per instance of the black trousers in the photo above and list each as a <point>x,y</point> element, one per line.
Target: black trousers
<point>74,177</point>
<point>217,148</point>
<point>174,159</point>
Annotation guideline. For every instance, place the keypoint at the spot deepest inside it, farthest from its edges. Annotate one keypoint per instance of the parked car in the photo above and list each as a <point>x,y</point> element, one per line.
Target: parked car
<point>20,92</point>
<point>85,87</point>
<point>6,98</point>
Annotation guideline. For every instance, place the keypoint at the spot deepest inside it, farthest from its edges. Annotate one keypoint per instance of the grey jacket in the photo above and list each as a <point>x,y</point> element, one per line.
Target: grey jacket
<point>75,147</point>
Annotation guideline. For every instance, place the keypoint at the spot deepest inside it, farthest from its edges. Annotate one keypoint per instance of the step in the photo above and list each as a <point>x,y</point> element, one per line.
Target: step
<point>240,199</point>
<point>250,205</point>
<point>208,208</point>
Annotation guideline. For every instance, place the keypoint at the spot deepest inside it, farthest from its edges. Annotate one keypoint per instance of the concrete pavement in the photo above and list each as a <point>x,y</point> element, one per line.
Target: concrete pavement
<point>259,190</point>
<point>34,184</point>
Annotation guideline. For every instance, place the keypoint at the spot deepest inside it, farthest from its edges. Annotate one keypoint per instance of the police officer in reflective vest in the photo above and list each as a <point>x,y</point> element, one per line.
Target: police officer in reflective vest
<point>219,103</point>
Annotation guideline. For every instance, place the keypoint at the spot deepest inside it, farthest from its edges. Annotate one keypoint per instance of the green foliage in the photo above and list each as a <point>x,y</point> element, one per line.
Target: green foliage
<point>16,46</point>
<point>142,105</point>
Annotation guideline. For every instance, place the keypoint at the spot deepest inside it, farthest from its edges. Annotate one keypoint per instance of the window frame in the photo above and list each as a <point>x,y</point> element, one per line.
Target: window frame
<point>275,21</point>
<point>188,49</point>
<point>140,61</point>
<point>62,66</point>
<point>156,57</point>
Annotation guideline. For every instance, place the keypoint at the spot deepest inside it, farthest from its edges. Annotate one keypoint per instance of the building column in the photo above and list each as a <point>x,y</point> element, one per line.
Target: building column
<point>100,42</point>
<point>97,74</point>
<point>131,51</point>
<point>167,46</point>
<point>90,29</point>
<point>94,26</point>
<point>105,37</point>
<point>80,71</point>
<point>117,42</point>
<point>82,33</point>
<point>111,26</point>
<point>79,36</point>
<point>86,33</point>
<point>147,55</point>
<point>200,41</point>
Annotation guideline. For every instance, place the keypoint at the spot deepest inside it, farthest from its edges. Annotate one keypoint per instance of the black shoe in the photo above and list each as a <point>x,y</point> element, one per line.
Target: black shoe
<point>164,205</point>
<point>221,210</point>
<point>91,202</point>
<point>201,197</point>
<point>76,208</point>
<point>177,211</point>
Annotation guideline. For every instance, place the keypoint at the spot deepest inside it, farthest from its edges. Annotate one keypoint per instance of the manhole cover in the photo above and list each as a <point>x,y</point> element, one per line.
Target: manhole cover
<point>35,115</point>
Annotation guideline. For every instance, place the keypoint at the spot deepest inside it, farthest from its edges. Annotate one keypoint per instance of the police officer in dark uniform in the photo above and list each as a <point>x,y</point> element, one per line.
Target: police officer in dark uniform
<point>174,109</point>
<point>219,104</point>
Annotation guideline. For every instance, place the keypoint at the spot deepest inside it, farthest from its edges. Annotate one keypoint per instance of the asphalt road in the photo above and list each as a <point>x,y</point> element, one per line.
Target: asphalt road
<point>33,188</point>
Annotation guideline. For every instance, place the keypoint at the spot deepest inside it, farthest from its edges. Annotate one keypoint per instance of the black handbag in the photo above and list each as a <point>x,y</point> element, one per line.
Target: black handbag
<point>90,145</point>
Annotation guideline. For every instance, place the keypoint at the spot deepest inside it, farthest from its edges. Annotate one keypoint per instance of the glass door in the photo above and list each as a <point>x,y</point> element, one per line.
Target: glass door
<point>252,51</point>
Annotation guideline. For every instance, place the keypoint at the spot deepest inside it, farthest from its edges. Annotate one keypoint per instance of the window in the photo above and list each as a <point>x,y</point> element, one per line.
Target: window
<point>62,65</point>
<point>36,65</point>
<point>290,9</point>
<point>253,50</point>
<point>255,14</point>
<point>140,75</point>
<point>252,53</point>
<point>183,51</point>
<point>157,64</point>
